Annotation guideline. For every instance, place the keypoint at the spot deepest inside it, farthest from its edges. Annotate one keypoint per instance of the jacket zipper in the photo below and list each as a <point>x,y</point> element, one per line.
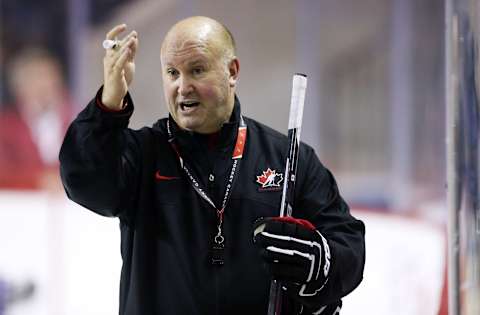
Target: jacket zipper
<point>217,300</point>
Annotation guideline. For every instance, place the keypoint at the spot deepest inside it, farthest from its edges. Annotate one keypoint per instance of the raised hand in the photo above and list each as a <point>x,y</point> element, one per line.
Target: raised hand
<point>118,67</point>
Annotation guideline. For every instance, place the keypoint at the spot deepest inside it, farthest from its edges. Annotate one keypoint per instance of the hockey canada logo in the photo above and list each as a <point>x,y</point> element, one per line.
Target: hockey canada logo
<point>270,180</point>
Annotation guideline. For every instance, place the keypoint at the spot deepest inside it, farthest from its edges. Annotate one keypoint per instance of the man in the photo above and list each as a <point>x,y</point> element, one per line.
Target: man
<point>191,191</point>
<point>32,129</point>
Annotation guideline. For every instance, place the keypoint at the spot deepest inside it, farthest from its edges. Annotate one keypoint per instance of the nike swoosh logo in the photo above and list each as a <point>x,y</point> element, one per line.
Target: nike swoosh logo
<point>162,177</point>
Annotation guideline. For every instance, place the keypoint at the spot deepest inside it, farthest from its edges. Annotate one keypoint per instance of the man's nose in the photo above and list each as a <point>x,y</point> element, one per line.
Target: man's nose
<point>185,86</point>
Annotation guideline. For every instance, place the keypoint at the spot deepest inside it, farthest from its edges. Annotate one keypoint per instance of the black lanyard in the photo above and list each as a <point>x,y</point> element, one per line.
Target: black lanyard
<point>236,158</point>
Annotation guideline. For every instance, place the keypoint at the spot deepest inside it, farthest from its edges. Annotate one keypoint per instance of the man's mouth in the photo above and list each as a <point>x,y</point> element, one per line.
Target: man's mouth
<point>188,105</point>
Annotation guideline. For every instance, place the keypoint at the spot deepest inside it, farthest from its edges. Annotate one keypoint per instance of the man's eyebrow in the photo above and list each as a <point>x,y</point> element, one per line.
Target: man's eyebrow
<point>190,63</point>
<point>197,61</point>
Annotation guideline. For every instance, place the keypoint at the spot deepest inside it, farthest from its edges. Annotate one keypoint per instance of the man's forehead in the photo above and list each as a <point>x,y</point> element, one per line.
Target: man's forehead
<point>182,44</point>
<point>187,51</point>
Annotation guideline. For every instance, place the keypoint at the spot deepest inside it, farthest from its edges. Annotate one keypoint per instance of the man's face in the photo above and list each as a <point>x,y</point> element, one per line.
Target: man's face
<point>198,84</point>
<point>39,85</point>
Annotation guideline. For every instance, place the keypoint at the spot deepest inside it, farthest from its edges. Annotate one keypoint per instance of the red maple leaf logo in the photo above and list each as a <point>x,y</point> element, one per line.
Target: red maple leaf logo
<point>270,178</point>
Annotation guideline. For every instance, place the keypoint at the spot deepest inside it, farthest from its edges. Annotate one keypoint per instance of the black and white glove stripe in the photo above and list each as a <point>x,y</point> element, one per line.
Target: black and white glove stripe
<point>291,252</point>
<point>324,311</point>
<point>331,309</point>
<point>295,252</point>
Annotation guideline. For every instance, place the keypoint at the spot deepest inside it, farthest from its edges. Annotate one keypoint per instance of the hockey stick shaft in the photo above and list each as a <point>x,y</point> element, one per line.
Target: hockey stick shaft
<point>297,103</point>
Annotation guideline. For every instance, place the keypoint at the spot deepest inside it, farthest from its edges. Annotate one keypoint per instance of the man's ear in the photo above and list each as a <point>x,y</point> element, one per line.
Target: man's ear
<point>233,69</point>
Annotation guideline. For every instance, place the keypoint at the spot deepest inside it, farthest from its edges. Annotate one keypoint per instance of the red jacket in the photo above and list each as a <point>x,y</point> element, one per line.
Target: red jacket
<point>21,166</point>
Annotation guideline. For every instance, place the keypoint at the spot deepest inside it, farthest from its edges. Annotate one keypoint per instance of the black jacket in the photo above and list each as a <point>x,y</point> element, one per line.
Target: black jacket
<point>167,229</point>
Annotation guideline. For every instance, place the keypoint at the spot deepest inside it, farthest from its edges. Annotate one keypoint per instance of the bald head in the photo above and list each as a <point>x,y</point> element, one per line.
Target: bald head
<point>203,31</point>
<point>199,72</point>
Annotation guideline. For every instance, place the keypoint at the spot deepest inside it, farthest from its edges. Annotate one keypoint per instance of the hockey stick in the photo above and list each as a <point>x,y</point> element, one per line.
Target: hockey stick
<point>294,128</point>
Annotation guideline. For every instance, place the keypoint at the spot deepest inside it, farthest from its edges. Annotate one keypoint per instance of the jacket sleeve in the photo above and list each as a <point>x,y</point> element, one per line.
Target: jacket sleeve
<point>100,159</point>
<point>318,200</point>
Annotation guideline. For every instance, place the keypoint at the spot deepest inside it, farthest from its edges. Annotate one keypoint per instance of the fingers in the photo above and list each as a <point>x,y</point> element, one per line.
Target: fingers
<point>132,34</point>
<point>131,41</point>
<point>300,266</point>
<point>124,55</point>
<point>304,244</point>
<point>133,47</point>
<point>118,66</point>
<point>126,41</point>
<point>116,30</point>
<point>116,56</point>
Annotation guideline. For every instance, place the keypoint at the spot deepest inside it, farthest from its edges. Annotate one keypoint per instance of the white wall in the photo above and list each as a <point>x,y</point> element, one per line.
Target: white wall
<point>71,254</point>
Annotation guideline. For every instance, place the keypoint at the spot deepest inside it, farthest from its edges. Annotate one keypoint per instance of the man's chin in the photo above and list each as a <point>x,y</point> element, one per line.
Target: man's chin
<point>189,125</point>
<point>195,125</point>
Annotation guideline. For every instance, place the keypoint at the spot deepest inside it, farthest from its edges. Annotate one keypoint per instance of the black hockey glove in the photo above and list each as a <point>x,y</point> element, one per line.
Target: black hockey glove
<point>295,253</point>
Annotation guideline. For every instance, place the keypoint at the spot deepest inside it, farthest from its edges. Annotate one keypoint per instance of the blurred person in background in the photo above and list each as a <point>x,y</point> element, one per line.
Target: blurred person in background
<point>182,252</point>
<point>32,128</point>
<point>3,296</point>
<point>14,293</point>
